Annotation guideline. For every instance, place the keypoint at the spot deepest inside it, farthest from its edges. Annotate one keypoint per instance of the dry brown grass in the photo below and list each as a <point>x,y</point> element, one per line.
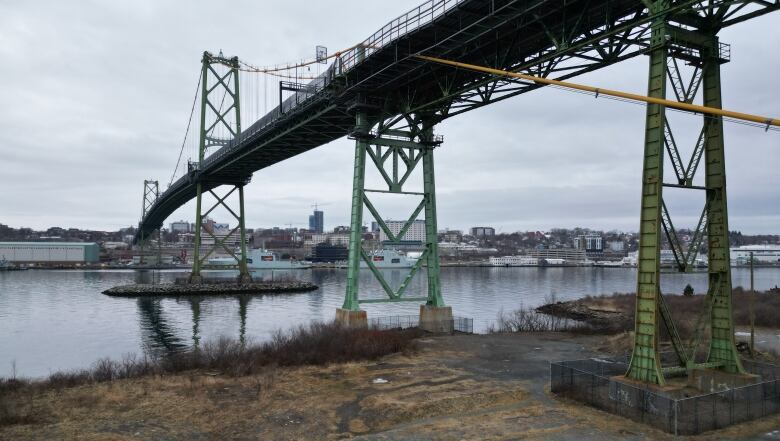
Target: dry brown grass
<point>686,309</point>
<point>313,344</point>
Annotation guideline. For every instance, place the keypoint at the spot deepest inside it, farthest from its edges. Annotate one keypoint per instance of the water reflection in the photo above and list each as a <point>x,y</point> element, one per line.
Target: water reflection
<point>158,336</point>
<point>243,302</point>
<point>195,308</point>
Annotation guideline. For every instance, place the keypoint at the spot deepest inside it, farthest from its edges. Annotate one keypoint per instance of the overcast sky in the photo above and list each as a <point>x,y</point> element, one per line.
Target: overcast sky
<point>94,98</point>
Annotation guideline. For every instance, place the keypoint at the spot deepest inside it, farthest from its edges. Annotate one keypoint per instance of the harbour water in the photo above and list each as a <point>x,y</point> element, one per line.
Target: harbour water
<point>55,320</point>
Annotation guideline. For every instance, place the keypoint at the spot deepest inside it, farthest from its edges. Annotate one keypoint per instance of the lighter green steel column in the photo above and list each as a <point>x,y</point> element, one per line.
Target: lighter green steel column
<point>243,270</point>
<point>645,364</point>
<point>195,273</point>
<point>431,229</point>
<point>361,133</point>
<point>722,347</point>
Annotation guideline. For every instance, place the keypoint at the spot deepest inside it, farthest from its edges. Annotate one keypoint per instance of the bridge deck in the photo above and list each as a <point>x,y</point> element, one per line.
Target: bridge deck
<point>541,37</point>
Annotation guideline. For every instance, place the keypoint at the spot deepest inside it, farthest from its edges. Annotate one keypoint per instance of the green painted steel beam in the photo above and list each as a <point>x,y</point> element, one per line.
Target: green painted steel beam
<point>361,133</point>
<point>368,144</point>
<point>221,83</point>
<point>645,362</point>
<point>722,346</point>
<point>402,299</point>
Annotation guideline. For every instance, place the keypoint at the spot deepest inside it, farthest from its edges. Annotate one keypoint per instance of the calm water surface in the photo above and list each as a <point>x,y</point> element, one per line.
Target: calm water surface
<point>54,320</point>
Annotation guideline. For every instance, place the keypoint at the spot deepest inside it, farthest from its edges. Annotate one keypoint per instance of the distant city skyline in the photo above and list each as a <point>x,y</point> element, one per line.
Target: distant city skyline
<point>169,226</point>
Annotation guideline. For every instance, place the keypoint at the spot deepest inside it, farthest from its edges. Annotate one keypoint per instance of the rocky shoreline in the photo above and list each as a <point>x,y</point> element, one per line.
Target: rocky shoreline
<point>211,288</point>
<point>580,311</point>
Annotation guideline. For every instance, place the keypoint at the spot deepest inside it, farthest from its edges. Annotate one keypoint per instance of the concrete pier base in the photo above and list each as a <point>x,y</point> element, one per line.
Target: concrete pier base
<point>354,319</point>
<point>436,319</point>
<point>713,380</point>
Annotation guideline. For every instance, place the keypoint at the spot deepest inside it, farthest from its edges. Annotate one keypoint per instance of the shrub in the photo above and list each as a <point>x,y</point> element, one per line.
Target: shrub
<point>313,344</point>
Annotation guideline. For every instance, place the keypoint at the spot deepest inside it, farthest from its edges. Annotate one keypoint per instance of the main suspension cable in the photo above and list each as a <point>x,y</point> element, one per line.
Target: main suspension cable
<point>187,132</point>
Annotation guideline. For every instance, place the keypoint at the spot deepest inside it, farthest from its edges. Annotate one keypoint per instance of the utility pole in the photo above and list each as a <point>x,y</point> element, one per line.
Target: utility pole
<point>752,311</point>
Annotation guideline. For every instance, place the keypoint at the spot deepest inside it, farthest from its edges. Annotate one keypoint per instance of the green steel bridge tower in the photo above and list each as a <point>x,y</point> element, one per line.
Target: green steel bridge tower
<point>673,44</point>
<point>220,122</point>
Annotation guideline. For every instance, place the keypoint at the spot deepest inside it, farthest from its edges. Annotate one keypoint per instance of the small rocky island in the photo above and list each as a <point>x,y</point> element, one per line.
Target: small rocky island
<point>209,287</point>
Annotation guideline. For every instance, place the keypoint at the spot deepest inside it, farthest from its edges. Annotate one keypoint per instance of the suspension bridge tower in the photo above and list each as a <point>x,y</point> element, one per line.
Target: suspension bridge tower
<point>220,123</point>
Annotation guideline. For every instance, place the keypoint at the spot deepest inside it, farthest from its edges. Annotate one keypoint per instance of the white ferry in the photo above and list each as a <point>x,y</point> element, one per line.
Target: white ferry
<point>389,259</point>
<point>258,259</point>
<point>514,261</point>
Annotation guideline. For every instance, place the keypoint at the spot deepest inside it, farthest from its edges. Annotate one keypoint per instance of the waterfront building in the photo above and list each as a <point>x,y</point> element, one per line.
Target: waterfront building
<point>553,254</point>
<point>762,254</point>
<point>325,252</point>
<point>317,221</point>
<point>483,231</point>
<point>589,242</point>
<point>455,236</point>
<point>415,233</point>
<point>338,239</point>
<point>514,261</point>
<point>181,227</point>
<point>50,252</point>
<point>219,232</point>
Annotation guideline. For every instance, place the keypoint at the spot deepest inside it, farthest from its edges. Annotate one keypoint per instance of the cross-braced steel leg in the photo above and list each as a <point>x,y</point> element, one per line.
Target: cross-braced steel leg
<point>401,151</point>
<point>702,51</point>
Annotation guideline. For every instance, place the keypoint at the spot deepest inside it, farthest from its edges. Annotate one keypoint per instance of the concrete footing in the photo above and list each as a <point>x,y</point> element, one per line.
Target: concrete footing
<point>355,319</point>
<point>436,319</point>
<point>713,380</point>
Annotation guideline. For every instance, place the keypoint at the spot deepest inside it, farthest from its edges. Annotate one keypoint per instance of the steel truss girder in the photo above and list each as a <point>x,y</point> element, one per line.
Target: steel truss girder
<point>404,153</point>
<point>651,307</point>
<point>617,39</point>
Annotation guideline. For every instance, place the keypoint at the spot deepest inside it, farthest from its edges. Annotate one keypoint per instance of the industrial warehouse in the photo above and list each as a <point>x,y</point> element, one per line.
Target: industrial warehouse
<point>50,252</point>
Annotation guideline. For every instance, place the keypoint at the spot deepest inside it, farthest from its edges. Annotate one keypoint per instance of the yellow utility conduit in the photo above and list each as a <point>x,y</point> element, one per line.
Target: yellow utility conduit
<point>616,93</point>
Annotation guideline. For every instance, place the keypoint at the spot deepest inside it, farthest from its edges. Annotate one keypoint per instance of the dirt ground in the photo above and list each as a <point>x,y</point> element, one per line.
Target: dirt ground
<point>455,387</point>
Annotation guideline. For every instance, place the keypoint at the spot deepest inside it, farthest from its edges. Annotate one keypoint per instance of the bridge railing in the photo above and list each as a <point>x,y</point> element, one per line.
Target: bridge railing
<point>404,24</point>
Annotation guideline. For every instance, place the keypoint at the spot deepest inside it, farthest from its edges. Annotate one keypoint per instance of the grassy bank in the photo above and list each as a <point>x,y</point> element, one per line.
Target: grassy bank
<point>614,314</point>
<point>313,344</point>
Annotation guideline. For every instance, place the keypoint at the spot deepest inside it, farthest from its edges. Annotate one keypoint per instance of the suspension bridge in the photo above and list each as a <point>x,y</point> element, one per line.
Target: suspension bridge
<point>445,58</point>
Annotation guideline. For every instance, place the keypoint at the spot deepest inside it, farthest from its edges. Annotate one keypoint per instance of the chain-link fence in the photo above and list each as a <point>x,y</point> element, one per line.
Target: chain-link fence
<point>459,324</point>
<point>595,382</point>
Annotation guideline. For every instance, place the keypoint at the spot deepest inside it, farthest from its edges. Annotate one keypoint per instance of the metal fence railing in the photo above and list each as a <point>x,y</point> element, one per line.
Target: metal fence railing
<point>459,324</point>
<point>591,381</point>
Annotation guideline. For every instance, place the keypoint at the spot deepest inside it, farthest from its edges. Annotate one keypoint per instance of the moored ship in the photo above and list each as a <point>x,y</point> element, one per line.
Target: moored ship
<point>389,259</point>
<point>258,259</point>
